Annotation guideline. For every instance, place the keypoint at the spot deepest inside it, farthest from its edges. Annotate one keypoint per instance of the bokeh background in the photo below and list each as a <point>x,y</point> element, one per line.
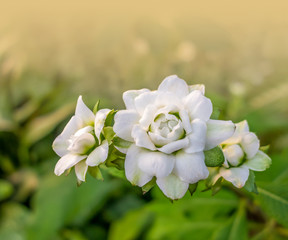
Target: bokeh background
<point>53,51</point>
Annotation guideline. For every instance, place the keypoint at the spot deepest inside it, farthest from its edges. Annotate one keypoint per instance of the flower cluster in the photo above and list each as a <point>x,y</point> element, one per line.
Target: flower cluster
<point>164,137</point>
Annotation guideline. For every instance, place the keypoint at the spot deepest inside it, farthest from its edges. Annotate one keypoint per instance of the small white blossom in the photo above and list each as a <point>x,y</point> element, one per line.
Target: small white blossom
<point>242,153</point>
<point>169,128</point>
<point>79,144</point>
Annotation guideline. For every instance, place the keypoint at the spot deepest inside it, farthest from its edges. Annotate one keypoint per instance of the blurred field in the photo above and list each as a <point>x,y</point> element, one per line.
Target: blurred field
<point>51,52</point>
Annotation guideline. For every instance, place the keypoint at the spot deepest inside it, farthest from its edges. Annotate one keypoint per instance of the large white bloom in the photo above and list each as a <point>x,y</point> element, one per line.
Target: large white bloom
<point>79,144</point>
<point>242,153</point>
<point>170,129</point>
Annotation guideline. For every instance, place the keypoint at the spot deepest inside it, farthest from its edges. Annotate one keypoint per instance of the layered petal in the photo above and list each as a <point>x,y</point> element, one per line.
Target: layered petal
<point>84,113</point>
<point>250,144</point>
<point>240,129</point>
<point>66,162</point>
<point>98,155</point>
<point>259,162</point>
<point>133,173</point>
<point>190,168</point>
<point>61,143</point>
<point>155,163</point>
<point>233,154</point>
<point>198,105</point>
<point>174,146</point>
<point>143,100</point>
<point>81,170</point>
<point>197,137</point>
<point>172,186</point>
<point>175,85</point>
<point>236,175</point>
<point>100,120</point>
<point>217,132</point>
<point>129,97</point>
<point>124,122</point>
<point>141,138</point>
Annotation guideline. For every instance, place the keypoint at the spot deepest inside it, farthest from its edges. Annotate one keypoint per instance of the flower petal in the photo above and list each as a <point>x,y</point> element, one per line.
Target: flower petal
<point>132,171</point>
<point>66,162</point>
<point>84,113</point>
<point>81,170</point>
<point>198,105</point>
<point>172,186</point>
<point>129,97</point>
<point>155,163</point>
<point>240,129</point>
<point>174,146</point>
<point>236,175</point>
<point>250,144</point>
<point>148,116</point>
<point>100,120</point>
<point>197,137</point>
<point>217,132</point>
<point>61,143</point>
<point>141,138</point>
<point>82,144</point>
<point>190,168</point>
<point>200,87</point>
<point>143,100</point>
<point>175,85</point>
<point>233,154</point>
<point>259,162</point>
<point>184,116</point>
<point>98,155</point>
<point>124,122</point>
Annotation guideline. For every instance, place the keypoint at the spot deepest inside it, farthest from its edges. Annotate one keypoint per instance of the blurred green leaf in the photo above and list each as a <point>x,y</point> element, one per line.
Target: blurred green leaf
<point>59,202</point>
<point>6,189</point>
<point>274,200</point>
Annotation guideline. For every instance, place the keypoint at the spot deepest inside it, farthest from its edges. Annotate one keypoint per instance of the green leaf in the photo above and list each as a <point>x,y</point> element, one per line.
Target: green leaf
<point>146,188</point>
<point>108,134</point>
<point>250,185</point>
<point>109,121</point>
<point>121,143</point>
<point>192,188</point>
<point>96,107</point>
<point>214,157</point>
<point>95,172</point>
<point>6,189</point>
<point>274,200</point>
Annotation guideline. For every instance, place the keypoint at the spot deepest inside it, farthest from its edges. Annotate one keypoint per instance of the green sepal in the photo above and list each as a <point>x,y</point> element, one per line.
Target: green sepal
<point>214,157</point>
<point>217,186</point>
<point>96,107</point>
<point>96,173</point>
<point>109,121</point>
<point>79,182</point>
<point>215,114</point>
<point>121,143</point>
<point>250,184</point>
<point>115,158</point>
<point>264,148</point>
<point>108,133</point>
<point>192,188</point>
<point>113,171</point>
<point>146,188</point>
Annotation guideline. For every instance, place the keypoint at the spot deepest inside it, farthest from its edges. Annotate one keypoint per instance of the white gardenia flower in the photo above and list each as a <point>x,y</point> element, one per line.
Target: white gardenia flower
<point>79,144</point>
<point>170,128</point>
<point>242,153</point>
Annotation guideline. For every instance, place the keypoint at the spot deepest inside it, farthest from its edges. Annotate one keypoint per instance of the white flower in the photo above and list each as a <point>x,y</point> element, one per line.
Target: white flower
<point>170,129</point>
<point>242,153</point>
<point>79,144</point>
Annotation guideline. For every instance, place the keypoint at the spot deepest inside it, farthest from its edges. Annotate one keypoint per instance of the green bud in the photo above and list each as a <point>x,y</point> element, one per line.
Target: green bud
<point>214,157</point>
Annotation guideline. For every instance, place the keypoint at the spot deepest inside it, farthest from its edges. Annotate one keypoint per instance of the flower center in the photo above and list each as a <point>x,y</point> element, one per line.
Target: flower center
<point>165,128</point>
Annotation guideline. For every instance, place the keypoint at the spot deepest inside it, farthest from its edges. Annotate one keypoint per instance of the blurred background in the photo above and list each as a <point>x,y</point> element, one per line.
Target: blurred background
<point>53,51</point>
